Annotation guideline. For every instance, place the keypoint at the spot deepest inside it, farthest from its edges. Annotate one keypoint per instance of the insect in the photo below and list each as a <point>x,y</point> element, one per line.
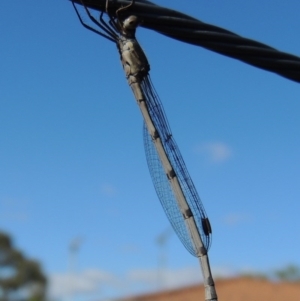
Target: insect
<point>171,179</point>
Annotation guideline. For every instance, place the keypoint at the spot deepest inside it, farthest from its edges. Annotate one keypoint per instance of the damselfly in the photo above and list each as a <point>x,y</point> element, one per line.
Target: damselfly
<point>170,176</point>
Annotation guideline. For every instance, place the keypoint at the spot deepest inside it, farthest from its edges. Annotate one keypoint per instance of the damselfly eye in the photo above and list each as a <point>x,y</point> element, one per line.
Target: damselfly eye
<point>131,22</point>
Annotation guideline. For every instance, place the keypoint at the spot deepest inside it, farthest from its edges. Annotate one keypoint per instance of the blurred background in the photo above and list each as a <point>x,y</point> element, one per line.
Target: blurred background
<point>79,217</point>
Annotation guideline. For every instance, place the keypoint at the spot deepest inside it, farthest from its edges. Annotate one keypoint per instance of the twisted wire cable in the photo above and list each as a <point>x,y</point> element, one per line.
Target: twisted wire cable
<point>187,29</point>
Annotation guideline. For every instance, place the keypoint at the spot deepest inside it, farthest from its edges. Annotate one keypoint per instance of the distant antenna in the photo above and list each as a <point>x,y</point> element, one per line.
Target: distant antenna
<point>75,244</point>
<point>73,252</point>
<point>161,241</point>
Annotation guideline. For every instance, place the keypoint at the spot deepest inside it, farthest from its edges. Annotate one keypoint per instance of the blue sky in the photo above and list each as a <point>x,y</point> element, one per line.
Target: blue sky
<point>72,162</point>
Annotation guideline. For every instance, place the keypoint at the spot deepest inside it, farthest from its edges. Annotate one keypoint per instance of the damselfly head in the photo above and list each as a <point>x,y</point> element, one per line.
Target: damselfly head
<point>131,22</point>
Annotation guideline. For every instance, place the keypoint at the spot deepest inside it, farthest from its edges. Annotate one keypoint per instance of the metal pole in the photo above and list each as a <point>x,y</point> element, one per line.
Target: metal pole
<point>73,258</point>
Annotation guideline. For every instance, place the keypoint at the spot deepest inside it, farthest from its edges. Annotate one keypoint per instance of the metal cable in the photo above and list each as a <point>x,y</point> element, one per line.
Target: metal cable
<point>190,30</point>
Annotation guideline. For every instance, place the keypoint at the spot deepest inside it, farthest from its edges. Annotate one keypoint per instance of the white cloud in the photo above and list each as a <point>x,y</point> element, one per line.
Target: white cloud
<point>103,284</point>
<point>130,248</point>
<point>224,272</point>
<point>217,152</point>
<point>165,278</point>
<point>108,189</point>
<point>14,216</point>
<point>14,210</point>
<point>88,281</point>
<point>234,219</point>
<point>95,281</point>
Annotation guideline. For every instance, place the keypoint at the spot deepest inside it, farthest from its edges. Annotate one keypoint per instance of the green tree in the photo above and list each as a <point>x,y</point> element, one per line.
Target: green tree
<point>289,273</point>
<point>20,278</point>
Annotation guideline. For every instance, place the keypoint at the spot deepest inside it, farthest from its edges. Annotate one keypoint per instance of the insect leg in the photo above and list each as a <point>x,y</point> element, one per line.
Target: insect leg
<point>124,8</point>
<point>109,37</point>
<point>113,35</point>
<point>109,27</point>
<point>116,25</point>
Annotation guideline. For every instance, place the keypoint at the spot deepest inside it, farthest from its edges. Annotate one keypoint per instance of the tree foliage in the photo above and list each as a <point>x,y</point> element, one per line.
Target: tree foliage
<point>20,278</point>
<point>289,273</point>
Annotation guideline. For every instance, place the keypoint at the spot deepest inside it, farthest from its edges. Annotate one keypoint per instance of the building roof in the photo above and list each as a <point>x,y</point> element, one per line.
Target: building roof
<point>235,289</point>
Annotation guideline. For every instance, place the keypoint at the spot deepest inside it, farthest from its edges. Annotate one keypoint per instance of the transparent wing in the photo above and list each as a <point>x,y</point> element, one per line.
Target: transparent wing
<point>165,193</point>
<point>160,180</point>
